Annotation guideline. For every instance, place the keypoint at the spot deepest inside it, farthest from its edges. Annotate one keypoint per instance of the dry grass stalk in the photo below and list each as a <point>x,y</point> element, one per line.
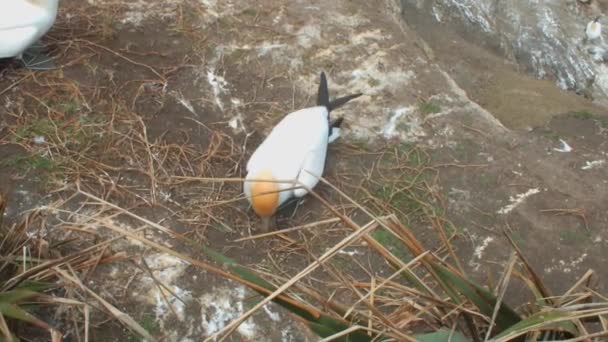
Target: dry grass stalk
<point>287,230</point>
<point>345,242</point>
<point>375,245</point>
<point>197,263</point>
<point>344,333</point>
<point>88,42</point>
<point>121,316</point>
<point>376,313</point>
<point>372,289</point>
<point>533,275</point>
<point>162,288</point>
<point>579,212</point>
<point>4,329</point>
<point>370,294</point>
<point>151,169</point>
<point>502,289</point>
<point>584,279</point>
<point>532,328</point>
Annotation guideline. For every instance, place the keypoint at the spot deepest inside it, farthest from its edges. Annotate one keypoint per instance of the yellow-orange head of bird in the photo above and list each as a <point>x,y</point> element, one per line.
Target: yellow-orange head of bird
<point>264,195</point>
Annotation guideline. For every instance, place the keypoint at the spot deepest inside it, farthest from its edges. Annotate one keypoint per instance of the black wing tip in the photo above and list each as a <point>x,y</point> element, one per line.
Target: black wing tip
<point>339,102</point>
<point>323,95</point>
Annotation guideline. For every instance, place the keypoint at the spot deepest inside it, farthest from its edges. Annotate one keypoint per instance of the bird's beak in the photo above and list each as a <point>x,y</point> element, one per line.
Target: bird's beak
<point>265,224</point>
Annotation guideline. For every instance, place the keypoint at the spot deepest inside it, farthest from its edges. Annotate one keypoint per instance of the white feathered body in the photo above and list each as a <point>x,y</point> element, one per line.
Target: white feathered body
<point>593,30</point>
<point>295,150</point>
<point>23,22</point>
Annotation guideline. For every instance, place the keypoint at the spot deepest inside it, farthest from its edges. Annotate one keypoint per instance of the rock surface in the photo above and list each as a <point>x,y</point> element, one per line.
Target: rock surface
<point>543,37</point>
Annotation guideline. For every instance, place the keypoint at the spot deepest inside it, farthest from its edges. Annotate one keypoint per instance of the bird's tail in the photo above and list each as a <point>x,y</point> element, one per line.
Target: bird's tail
<point>341,101</point>
<point>323,96</point>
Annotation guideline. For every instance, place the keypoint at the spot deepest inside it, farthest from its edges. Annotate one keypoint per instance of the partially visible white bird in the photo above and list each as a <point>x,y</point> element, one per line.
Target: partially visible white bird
<point>293,152</point>
<point>22,23</point>
<point>593,30</point>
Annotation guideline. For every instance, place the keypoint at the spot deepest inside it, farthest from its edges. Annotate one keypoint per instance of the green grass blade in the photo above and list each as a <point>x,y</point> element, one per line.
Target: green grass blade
<point>357,336</point>
<point>392,245</point>
<point>217,256</point>
<point>35,286</point>
<point>12,297</point>
<point>324,325</point>
<point>442,335</point>
<point>320,329</point>
<point>554,320</point>
<point>13,311</point>
<point>482,298</point>
<point>254,278</point>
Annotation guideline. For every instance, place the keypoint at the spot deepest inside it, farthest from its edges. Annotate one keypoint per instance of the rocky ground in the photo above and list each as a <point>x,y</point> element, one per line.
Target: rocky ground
<point>150,97</point>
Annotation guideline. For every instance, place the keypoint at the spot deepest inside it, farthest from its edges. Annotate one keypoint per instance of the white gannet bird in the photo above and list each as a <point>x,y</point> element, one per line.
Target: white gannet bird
<point>593,30</point>
<point>293,152</point>
<point>22,23</point>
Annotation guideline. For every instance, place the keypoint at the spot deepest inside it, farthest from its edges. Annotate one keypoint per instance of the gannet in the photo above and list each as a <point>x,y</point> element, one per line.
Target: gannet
<point>22,23</point>
<point>593,30</point>
<point>293,152</point>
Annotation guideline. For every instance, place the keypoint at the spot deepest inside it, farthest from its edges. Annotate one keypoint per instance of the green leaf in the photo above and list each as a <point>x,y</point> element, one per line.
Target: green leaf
<point>13,311</point>
<point>11,297</point>
<point>442,335</point>
<point>356,336</point>
<point>217,256</point>
<point>35,286</point>
<point>324,325</point>
<point>482,298</point>
<point>541,321</point>
<point>389,243</point>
